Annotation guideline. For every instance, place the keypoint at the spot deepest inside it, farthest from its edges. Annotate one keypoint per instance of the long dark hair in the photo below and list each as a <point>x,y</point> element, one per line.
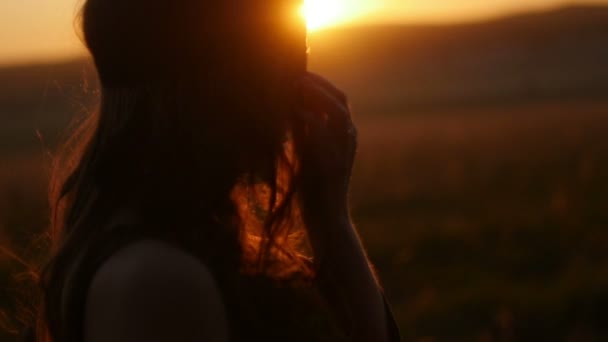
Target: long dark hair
<point>192,133</point>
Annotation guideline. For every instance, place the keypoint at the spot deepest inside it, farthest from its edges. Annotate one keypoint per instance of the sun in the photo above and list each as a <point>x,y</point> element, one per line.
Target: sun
<point>322,13</point>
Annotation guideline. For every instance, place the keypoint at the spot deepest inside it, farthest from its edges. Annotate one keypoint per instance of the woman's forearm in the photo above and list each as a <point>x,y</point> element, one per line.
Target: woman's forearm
<point>346,269</point>
<point>326,143</point>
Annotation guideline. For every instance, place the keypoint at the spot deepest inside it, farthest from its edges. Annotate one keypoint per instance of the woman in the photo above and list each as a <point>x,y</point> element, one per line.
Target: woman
<point>206,200</point>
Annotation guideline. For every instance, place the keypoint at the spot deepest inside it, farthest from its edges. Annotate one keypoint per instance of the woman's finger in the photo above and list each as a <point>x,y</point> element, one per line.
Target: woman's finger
<point>311,120</point>
<point>329,86</point>
<point>320,100</point>
<point>335,115</point>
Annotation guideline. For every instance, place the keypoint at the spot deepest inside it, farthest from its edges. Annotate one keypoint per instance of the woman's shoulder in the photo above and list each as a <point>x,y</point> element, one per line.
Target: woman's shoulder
<point>150,260</point>
<point>152,288</point>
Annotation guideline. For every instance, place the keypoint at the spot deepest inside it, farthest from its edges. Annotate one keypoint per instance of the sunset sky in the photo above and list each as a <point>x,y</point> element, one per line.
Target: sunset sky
<point>33,30</point>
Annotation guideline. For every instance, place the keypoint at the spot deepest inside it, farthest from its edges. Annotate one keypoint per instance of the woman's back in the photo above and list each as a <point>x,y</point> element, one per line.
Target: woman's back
<point>135,286</point>
<point>150,286</point>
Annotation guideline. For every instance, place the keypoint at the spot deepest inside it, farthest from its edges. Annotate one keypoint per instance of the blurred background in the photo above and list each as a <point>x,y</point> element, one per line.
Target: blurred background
<point>481,187</point>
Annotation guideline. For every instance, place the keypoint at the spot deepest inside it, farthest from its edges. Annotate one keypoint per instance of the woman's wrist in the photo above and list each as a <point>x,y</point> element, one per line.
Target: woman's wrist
<point>334,209</point>
<point>335,240</point>
<point>328,225</point>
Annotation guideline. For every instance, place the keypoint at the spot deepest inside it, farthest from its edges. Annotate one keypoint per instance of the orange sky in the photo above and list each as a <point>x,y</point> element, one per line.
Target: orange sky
<point>33,30</point>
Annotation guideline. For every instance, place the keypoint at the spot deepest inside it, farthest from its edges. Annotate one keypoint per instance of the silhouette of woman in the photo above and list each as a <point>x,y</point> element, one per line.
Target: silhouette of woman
<point>206,198</point>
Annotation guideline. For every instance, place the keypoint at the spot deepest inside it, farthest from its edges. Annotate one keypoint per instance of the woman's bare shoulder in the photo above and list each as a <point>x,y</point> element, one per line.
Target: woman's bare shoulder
<point>150,259</point>
<point>152,291</point>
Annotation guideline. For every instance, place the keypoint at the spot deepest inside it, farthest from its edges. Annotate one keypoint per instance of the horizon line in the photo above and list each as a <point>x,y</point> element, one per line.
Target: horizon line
<point>81,53</point>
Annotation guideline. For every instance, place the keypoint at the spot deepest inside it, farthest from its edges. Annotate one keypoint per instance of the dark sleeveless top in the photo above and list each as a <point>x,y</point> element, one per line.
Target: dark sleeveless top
<point>258,309</point>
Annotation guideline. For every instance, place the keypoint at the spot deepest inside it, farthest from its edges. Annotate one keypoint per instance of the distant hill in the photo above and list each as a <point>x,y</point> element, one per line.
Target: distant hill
<point>549,56</point>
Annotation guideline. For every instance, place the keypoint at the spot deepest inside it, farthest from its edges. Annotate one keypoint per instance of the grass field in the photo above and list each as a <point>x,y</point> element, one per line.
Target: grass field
<point>485,224</point>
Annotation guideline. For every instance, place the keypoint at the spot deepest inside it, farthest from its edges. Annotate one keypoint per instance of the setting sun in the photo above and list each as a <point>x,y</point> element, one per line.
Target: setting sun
<point>322,13</point>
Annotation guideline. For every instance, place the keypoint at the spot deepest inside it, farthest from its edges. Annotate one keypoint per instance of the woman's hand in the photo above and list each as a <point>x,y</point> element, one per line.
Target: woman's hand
<point>326,142</point>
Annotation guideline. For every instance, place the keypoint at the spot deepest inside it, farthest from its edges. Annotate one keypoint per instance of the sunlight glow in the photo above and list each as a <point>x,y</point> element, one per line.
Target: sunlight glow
<point>322,13</point>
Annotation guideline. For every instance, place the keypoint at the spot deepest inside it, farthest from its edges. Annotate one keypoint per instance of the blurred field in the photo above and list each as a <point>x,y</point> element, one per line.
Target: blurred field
<point>485,210</point>
<point>490,225</point>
